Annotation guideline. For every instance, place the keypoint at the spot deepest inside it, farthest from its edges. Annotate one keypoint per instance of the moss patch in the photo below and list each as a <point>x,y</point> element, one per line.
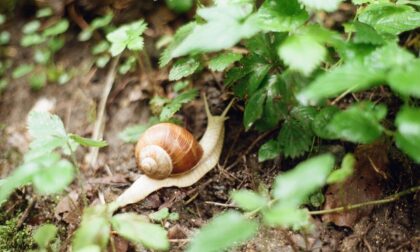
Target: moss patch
<point>12,239</point>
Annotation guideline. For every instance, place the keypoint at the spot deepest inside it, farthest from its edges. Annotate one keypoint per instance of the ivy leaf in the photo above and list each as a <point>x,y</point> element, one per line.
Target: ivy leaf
<point>359,123</point>
<point>254,109</point>
<point>134,228</point>
<point>408,132</point>
<point>269,150</point>
<point>390,18</point>
<point>293,187</point>
<point>248,200</point>
<point>226,25</point>
<point>346,170</point>
<point>405,79</point>
<point>236,229</point>
<point>174,105</point>
<point>183,67</point>
<point>295,46</point>
<point>88,142</point>
<point>45,234</point>
<point>281,15</point>
<point>326,5</point>
<point>223,61</point>
<point>54,176</point>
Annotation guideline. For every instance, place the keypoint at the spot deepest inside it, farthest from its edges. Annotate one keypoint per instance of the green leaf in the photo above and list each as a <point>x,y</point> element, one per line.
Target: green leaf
<point>44,12</point>
<point>174,105</point>
<point>350,77</point>
<point>180,85</point>
<point>45,234</point>
<point>405,79</point>
<point>223,61</point>
<point>94,230</point>
<point>42,56</point>
<point>359,123</point>
<point>4,37</point>
<point>248,200</point>
<point>160,215</point>
<point>100,22</point>
<point>390,18</point>
<point>179,6</point>
<point>226,25</point>
<point>134,228</point>
<point>31,39</point>
<point>132,133</point>
<point>295,46</point>
<point>22,70</point>
<point>102,61</point>
<point>408,132</point>
<point>38,81</point>
<point>173,216</point>
<point>367,34</point>
<point>388,56</point>
<point>211,237</point>
<point>295,138</point>
<point>2,19</point>
<point>101,47</point>
<point>321,120</point>
<point>346,170</point>
<point>286,217</point>
<point>326,5</point>
<point>88,142</point>
<point>293,187</point>
<point>44,125</point>
<point>183,67</point>
<point>57,28</point>
<point>128,35</point>
<point>281,15</point>
<point>31,27</point>
<point>269,150</point>
<point>254,109</point>
<point>55,175</point>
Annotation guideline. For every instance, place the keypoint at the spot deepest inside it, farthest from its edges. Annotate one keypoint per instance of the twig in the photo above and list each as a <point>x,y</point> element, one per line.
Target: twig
<point>220,204</point>
<point>99,123</point>
<point>25,213</point>
<point>389,199</point>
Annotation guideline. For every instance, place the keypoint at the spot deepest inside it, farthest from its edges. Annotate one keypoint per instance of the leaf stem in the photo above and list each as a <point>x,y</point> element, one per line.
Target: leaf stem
<point>388,199</point>
<point>80,177</point>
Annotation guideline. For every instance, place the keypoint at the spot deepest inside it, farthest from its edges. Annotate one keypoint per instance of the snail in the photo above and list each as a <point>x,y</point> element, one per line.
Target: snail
<point>199,161</point>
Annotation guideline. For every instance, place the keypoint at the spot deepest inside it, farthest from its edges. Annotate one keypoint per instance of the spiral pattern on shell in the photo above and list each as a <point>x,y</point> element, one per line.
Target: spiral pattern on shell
<point>166,142</point>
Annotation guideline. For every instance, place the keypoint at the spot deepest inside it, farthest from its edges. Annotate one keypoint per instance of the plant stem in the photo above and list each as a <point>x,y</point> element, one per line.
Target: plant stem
<point>80,177</point>
<point>389,199</point>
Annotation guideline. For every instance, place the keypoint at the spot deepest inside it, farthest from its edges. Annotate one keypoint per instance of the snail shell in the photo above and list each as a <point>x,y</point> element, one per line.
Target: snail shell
<point>167,149</point>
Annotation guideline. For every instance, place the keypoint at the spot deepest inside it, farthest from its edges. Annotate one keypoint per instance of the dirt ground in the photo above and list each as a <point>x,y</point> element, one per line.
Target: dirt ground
<point>388,227</point>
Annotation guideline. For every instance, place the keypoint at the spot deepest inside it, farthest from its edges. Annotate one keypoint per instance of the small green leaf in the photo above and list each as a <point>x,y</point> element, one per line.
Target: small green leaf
<point>38,81</point>
<point>44,12</point>
<point>183,67</point>
<point>45,234</point>
<point>160,215</point>
<point>405,79</point>
<point>367,34</point>
<point>321,120</point>
<point>211,237</point>
<point>269,150</point>
<point>132,133</point>
<point>101,47</point>
<point>248,200</point>
<point>254,109</point>
<point>88,142</point>
<point>326,5</point>
<point>223,61</point>
<point>31,27</point>
<point>359,123</point>
<point>31,39</point>
<point>295,137</point>
<point>180,85</point>
<point>133,227</point>
<point>281,15</point>
<point>181,33</point>
<point>22,70</point>
<point>173,216</point>
<point>179,6</point>
<point>346,170</point>
<point>128,35</point>
<point>42,125</point>
<point>408,133</point>
<point>174,105</point>
<point>57,28</point>
<point>286,217</point>
<point>54,177</point>
<point>295,46</point>
<point>4,37</point>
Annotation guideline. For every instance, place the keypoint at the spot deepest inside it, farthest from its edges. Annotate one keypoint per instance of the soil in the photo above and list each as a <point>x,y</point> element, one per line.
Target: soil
<point>388,227</point>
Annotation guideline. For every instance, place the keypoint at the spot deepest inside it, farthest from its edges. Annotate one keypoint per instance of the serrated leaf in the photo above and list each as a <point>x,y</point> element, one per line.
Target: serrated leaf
<point>294,138</point>
<point>388,56</point>
<point>248,200</point>
<point>133,227</point>
<point>367,34</point>
<point>43,124</point>
<point>321,120</point>
<point>286,217</point>
<point>226,25</point>
<point>180,85</point>
<point>359,123</point>
<point>127,36</point>
<point>57,28</point>
<point>224,60</point>
<point>183,68</point>
<point>408,132</point>
<point>45,234</point>
<point>346,170</point>
<point>174,105</point>
<point>326,5</point>
<point>293,187</point>
<point>88,142</point>
<point>269,150</point>
<point>211,237</point>
<point>281,15</point>
<point>390,18</point>
<point>55,175</point>
<point>254,109</point>
<point>302,53</point>
<point>405,79</point>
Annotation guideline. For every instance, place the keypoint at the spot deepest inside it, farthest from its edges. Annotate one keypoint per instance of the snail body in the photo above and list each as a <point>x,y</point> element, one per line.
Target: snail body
<point>211,144</point>
<point>167,149</point>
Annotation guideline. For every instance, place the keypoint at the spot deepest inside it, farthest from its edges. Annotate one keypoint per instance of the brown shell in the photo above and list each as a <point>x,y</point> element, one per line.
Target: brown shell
<point>179,143</point>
